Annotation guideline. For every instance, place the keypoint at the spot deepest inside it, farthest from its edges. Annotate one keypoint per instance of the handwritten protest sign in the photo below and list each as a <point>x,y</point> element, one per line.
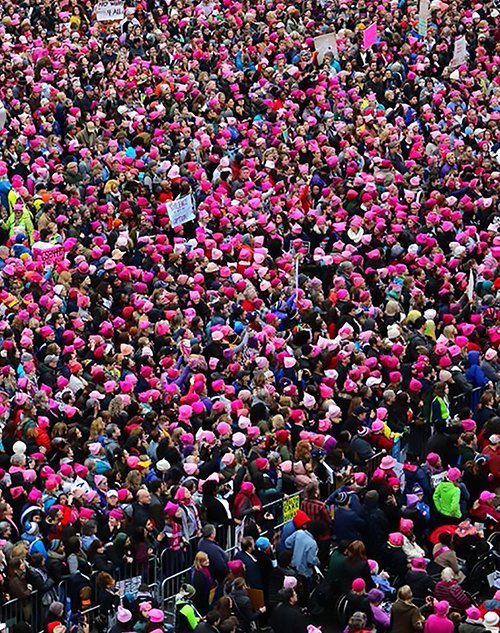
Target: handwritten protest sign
<point>326,43</point>
<point>370,35</point>
<point>459,51</point>
<point>290,507</point>
<point>181,211</point>
<point>109,10</point>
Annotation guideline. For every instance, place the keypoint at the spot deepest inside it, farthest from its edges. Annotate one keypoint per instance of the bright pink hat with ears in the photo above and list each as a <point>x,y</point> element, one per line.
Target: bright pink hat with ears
<point>358,584</point>
<point>453,474</point>
<point>396,539</point>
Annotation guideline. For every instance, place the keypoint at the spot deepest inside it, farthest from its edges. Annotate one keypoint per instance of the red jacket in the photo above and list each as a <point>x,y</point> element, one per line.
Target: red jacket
<point>484,511</point>
<point>43,439</point>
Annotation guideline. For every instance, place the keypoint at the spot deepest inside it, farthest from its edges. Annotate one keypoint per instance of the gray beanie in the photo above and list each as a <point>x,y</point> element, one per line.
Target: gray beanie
<point>56,608</point>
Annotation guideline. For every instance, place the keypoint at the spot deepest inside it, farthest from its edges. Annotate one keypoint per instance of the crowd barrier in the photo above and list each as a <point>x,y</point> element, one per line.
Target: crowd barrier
<point>164,574</point>
<point>282,510</point>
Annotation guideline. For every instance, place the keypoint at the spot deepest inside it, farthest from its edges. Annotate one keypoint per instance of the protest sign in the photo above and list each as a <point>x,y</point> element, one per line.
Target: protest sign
<point>459,51</point>
<point>370,35</point>
<point>290,507</point>
<point>109,10</point>
<point>324,44</point>
<point>48,253</point>
<point>181,211</point>
<point>423,17</point>
<point>129,585</point>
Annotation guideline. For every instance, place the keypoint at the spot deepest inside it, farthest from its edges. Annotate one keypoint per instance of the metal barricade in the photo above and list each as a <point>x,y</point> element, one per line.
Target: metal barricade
<point>372,464</point>
<point>171,585</point>
<point>16,610</point>
<point>11,612</point>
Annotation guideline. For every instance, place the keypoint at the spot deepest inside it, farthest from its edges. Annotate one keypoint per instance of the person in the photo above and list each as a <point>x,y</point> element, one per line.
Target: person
<point>484,509</point>
<point>242,606</point>
<point>394,557</point>
<point>446,496</point>
<point>253,574</point>
<point>210,624</point>
<point>317,511</point>
<point>221,248</point>
<point>355,565</point>
<point>357,600</point>
<point>18,584</point>
<point>218,559</point>
<point>358,623</point>
<point>123,618</point>
<point>203,583</point>
<point>336,565</point>
<point>444,555</point>
<point>107,593</point>
<point>420,582</point>
<point>381,619</point>
<point>472,623</point>
<point>286,616</point>
<point>304,552</point>
<point>299,520</point>
<point>40,580</point>
<point>405,616</point>
<point>438,622</point>
<point>490,621</point>
<point>449,590</point>
<point>187,617</point>
<point>278,574</point>
<point>348,524</point>
<point>56,615</point>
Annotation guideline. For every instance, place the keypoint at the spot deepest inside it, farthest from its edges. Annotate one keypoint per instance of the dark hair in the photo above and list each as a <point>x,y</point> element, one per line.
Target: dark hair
<point>36,560</point>
<point>445,538</point>
<point>213,616</point>
<point>228,625</point>
<point>285,595</point>
<point>247,543</point>
<point>284,558</point>
<point>419,322</point>
<point>73,545</point>
<point>93,547</point>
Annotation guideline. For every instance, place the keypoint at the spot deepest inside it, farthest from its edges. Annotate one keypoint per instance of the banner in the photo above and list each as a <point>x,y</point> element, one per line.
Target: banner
<point>290,507</point>
<point>181,211</point>
<point>326,43</point>
<point>129,585</point>
<point>48,253</point>
<point>459,51</point>
<point>370,35</point>
<point>423,17</point>
<point>109,10</point>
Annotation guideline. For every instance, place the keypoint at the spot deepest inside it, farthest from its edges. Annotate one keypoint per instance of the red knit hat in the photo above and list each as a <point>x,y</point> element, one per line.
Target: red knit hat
<point>300,519</point>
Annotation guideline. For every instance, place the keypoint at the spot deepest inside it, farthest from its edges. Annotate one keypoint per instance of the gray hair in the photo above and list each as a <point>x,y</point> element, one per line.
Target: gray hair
<point>447,574</point>
<point>208,530</point>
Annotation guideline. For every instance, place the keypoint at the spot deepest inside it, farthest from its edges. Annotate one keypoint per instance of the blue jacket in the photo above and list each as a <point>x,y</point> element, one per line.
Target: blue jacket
<point>305,552</point>
<point>475,374</point>
<point>348,525</point>
<point>218,558</point>
<point>287,530</point>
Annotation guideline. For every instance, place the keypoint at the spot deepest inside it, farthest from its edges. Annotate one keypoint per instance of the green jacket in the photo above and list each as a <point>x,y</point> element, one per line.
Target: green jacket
<point>447,499</point>
<point>24,222</point>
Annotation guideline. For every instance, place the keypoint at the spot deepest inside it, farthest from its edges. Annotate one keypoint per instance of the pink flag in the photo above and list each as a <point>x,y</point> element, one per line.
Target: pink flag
<point>370,35</point>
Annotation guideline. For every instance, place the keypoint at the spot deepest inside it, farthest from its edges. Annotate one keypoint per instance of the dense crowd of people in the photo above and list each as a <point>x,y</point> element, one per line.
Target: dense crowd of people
<point>328,323</point>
